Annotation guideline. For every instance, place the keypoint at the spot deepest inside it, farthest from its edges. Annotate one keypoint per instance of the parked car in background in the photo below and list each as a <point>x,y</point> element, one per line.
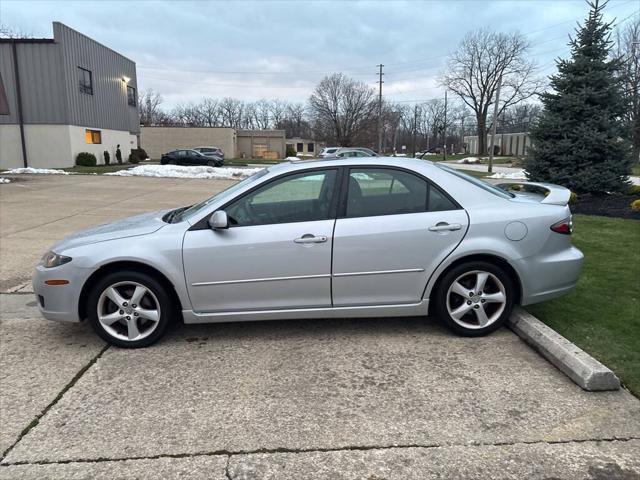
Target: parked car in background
<point>345,152</point>
<point>327,151</point>
<point>190,157</point>
<point>354,237</point>
<point>211,151</point>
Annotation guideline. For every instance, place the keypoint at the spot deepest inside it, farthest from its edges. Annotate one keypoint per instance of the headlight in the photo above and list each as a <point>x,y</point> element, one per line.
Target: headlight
<point>52,259</point>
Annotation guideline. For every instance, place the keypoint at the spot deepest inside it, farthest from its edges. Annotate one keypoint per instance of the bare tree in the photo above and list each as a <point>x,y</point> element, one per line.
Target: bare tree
<point>10,32</point>
<point>482,60</point>
<point>342,108</point>
<point>149,104</point>
<point>231,111</point>
<point>628,51</point>
<point>209,112</point>
<point>278,111</point>
<point>262,114</point>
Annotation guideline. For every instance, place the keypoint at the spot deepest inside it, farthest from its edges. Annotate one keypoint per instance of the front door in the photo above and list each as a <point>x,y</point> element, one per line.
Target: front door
<point>397,228</point>
<point>276,254</point>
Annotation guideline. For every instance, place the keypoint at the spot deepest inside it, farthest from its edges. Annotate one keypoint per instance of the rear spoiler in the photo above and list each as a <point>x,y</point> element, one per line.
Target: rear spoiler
<point>554,194</point>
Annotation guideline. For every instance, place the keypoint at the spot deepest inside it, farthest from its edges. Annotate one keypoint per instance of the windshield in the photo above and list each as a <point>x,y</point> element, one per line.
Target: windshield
<point>478,183</point>
<point>194,209</point>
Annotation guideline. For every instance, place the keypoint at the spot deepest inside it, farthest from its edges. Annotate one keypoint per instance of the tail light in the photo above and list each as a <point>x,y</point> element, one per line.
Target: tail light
<point>565,227</point>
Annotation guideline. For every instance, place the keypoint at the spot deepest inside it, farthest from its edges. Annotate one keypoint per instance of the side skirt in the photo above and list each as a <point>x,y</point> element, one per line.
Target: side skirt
<point>402,310</point>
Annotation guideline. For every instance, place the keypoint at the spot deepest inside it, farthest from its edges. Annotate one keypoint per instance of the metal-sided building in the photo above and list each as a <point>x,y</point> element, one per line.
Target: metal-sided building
<point>509,143</point>
<point>65,95</point>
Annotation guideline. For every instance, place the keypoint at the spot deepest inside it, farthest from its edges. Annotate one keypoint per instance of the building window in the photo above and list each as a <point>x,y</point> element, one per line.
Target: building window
<point>131,96</point>
<point>310,147</point>
<point>93,136</point>
<point>85,81</point>
<point>299,147</point>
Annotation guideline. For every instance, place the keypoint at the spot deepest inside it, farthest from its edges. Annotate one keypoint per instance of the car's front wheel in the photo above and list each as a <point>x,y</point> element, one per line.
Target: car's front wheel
<point>130,309</point>
<point>474,298</point>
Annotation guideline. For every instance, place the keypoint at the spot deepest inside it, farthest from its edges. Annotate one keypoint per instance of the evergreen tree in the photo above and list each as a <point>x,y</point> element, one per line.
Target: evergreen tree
<point>580,140</point>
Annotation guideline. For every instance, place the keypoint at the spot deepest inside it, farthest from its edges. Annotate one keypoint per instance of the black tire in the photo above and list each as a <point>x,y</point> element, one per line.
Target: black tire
<point>465,326</point>
<point>167,308</point>
<point>211,163</point>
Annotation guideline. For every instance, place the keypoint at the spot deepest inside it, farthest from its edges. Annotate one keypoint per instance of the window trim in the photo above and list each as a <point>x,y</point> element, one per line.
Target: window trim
<point>342,206</point>
<point>80,86</point>
<point>135,96</point>
<point>203,223</point>
<point>93,132</point>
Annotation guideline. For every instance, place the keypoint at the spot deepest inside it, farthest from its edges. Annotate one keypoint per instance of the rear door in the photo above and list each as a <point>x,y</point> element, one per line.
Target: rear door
<point>394,229</point>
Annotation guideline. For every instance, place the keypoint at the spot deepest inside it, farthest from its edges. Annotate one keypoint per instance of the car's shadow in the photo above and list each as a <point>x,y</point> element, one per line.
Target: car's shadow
<point>304,328</point>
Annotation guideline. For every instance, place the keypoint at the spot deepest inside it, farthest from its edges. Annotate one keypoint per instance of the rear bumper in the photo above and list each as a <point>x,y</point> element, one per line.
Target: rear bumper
<point>548,276</point>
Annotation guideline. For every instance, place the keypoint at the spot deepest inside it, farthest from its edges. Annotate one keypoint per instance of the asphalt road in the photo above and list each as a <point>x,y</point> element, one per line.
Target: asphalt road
<point>363,399</point>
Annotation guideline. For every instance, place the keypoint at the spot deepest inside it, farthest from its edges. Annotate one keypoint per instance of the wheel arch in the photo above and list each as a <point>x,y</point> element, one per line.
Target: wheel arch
<point>119,266</point>
<point>484,257</point>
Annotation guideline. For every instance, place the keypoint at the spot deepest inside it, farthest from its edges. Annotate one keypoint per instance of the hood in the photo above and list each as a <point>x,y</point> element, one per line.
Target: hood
<point>127,227</point>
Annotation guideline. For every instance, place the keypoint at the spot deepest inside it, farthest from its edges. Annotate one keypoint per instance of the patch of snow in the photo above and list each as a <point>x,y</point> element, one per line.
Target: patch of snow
<point>519,175</point>
<point>292,159</point>
<point>178,171</point>
<point>470,160</point>
<point>41,171</point>
<point>4,180</point>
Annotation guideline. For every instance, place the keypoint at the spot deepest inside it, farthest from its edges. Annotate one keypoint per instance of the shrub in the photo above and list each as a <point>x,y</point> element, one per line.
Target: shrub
<point>291,152</point>
<point>133,157</point>
<point>118,154</point>
<point>140,153</point>
<point>107,157</point>
<point>635,205</point>
<point>634,190</point>
<point>573,198</point>
<point>86,159</point>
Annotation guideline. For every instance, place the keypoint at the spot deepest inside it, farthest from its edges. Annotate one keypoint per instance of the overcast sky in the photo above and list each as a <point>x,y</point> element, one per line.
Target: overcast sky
<point>281,49</point>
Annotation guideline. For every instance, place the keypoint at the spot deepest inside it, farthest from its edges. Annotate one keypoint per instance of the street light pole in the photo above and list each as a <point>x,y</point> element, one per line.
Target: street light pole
<point>494,124</point>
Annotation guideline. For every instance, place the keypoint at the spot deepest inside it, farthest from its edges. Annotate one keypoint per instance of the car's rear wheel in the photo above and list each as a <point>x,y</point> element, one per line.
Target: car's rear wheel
<point>474,298</point>
<point>130,309</point>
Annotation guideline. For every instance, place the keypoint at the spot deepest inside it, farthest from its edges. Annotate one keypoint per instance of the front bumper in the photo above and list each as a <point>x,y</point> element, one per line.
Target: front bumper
<point>549,276</point>
<point>59,302</point>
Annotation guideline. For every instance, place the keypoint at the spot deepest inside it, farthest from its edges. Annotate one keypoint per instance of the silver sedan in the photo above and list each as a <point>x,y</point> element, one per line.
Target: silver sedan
<point>361,237</point>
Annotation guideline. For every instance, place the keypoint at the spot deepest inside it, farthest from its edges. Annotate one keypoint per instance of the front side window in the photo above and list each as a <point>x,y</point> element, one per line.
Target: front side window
<point>92,136</point>
<point>302,197</point>
<point>85,81</point>
<point>380,191</point>
<point>131,96</point>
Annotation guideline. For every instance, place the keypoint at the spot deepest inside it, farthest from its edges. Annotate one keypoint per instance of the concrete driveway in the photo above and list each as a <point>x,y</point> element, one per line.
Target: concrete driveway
<point>337,399</point>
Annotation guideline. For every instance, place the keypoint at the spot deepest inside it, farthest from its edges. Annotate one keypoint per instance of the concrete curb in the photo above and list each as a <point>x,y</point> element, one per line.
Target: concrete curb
<point>578,365</point>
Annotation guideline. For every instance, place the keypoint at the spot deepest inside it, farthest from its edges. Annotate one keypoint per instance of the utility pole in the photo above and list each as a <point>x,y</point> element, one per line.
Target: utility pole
<point>462,134</point>
<point>380,82</point>
<point>444,129</point>
<point>494,124</point>
<point>415,127</point>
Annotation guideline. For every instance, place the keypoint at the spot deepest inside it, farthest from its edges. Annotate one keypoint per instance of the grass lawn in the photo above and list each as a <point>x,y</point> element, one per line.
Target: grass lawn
<point>474,173</point>
<point>602,315</point>
<point>100,168</point>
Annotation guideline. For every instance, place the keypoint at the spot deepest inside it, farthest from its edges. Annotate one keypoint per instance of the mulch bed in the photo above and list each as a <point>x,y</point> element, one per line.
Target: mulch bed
<point>606,205</point>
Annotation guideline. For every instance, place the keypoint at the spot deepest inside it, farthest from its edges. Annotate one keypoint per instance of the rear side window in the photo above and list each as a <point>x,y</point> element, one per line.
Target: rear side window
<point>378,191</point>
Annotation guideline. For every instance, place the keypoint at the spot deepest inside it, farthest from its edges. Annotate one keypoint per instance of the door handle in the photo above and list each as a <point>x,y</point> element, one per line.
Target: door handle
<point>444,226</point>
<point>309,238</point>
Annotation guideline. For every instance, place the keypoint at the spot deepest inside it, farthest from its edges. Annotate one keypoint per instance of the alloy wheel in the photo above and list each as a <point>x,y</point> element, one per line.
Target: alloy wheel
<point>128,311</point>
<point>476,299</point>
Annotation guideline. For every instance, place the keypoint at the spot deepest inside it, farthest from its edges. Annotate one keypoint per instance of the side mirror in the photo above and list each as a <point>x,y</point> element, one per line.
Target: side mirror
<point>219,220</point>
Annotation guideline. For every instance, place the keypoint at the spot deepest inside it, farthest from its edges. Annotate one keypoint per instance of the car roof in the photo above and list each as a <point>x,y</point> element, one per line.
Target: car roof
<point>410,163</point>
